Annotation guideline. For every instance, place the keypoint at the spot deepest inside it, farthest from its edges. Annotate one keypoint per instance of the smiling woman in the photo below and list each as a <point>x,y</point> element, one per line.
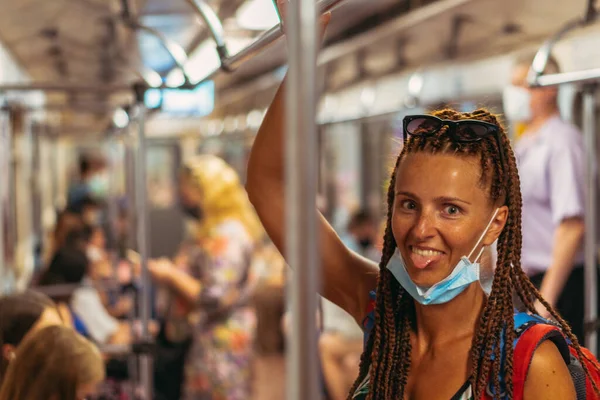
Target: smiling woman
<point>454,191</point>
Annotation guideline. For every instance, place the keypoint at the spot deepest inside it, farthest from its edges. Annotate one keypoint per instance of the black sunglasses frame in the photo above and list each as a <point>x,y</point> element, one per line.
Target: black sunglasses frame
<point>491,129</point>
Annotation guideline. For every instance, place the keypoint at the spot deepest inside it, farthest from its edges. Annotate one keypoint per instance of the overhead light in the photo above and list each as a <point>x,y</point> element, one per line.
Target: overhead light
<point>152,78</point>
<point>415,84</point>
<point>229,124</point>
<point>175,78</point>
<point>368,96</point>
<point>203,61</point>
<point>254,119</point>
<point>257,15</point>
<point>240,121</point>
<point>120,118</point>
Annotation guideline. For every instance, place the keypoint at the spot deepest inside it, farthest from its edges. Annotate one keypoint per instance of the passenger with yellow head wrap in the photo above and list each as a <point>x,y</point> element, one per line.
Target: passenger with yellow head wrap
<point>211,282</point>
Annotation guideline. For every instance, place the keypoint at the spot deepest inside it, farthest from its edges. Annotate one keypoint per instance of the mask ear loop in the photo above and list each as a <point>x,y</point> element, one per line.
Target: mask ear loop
<point>481,238</point>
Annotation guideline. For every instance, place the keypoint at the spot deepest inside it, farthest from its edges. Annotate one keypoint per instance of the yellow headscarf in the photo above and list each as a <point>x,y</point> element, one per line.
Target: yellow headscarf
<point>223,196</point>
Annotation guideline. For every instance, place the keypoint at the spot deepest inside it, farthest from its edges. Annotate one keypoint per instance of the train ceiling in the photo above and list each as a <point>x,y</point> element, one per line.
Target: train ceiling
<point>87,42</point>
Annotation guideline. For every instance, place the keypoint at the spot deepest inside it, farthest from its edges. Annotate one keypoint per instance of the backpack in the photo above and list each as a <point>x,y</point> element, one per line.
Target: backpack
<point>531,331</point>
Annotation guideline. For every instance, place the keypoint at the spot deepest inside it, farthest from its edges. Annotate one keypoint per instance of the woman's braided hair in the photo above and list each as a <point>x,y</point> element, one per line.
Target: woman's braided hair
<point>387,355</point>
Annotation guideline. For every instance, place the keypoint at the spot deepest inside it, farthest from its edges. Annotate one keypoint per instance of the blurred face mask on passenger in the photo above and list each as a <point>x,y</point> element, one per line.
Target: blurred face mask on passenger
<point>99,185</point>
<point>365,243</point>
<point>463,275</point>
<point>517,104</point>
<point>195,212</point>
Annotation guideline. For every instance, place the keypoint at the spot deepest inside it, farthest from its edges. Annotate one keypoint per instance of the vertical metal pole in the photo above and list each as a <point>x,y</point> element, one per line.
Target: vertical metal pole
<point>11,200</point>
<point>591,290</point>
<point>130,189</point>
<point>301,190</point>
<point>142,236</point>
<point>113,148</point>
<point>5,159</point>
<point>130,170</point>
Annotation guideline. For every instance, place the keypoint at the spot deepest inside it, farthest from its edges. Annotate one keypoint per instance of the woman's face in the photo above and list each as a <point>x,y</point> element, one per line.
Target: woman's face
<point>440,211</point>
<point>190,197</point>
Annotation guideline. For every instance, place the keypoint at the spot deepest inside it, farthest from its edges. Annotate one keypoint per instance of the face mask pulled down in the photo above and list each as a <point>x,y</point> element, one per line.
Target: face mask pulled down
<point>463,274</point>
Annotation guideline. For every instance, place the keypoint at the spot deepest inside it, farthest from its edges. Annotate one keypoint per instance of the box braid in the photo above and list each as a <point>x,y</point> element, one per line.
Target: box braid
<point>387,355</point>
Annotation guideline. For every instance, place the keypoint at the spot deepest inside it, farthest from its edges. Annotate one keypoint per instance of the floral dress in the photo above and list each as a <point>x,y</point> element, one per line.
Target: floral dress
<point>222,324</point>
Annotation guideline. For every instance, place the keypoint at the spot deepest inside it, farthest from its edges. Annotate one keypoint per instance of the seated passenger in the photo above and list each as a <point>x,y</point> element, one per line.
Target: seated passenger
<point>70,267</point>
<point>432,330</point>
<point>21,314</point>
<point>54,363</point>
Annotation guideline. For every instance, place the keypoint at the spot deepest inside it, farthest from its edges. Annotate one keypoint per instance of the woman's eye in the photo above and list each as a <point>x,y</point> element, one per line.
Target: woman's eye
<point>452,210</point>
<point>408,205</point>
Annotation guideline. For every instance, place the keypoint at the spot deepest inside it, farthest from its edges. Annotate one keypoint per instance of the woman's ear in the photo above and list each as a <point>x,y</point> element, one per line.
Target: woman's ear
<point>496,226</point>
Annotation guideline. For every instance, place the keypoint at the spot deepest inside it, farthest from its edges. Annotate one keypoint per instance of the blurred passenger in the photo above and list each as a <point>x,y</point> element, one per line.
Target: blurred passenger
<point>362,235</point>
<point>70,266</point>
<point>92,183</point>
<point>550,156</point>
<point>212,287</point>
<point>21,314</point>
<point>341,342</point>
<point>91,211</point>
<point>68,230</point>
<point>54,363</point>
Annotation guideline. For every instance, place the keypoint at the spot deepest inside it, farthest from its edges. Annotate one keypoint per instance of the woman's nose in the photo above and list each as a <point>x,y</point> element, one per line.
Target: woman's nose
<point>425,227</point>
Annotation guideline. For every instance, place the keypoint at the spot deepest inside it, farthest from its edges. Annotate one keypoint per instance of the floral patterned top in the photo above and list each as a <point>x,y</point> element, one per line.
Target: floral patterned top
<point>221,323</point>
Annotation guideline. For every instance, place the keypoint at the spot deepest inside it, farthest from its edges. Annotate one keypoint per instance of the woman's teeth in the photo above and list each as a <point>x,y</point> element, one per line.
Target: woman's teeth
<point>426,253</point>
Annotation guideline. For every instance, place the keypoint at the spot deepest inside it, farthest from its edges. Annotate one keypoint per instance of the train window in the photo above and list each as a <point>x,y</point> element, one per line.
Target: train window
<point>197,102</point>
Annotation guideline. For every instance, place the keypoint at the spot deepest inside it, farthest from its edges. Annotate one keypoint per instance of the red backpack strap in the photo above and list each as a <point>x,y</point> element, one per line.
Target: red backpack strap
<point>369,320</point>
<point>526,346</point>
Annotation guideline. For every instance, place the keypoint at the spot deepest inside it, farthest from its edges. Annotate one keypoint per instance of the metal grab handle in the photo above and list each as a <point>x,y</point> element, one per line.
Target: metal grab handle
<point>536,77</point>
<point>212,21</point>
<point>230,63</point>
<point>176,52</point>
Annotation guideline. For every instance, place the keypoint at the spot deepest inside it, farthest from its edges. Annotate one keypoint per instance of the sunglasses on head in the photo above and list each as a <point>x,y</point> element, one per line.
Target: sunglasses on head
<point>465,130</point>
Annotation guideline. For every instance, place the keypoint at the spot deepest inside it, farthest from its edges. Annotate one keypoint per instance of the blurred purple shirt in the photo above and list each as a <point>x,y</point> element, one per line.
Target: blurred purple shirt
<point>551,167</point>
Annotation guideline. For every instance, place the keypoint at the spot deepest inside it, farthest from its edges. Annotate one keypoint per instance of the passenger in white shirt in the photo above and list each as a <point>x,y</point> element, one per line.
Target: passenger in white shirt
<point>550,157</point>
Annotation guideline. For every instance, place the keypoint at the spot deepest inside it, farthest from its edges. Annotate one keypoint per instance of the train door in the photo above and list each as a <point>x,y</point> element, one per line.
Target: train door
<point>343,144</point>
<point>165,218</point>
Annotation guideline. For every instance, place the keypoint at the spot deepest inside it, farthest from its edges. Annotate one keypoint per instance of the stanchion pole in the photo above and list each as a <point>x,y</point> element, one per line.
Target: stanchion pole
<point>301,190</point>
<point>4,182</point>
<point>130,242</point>
<point>591,287</point>
<point>146,369</point>
<point>113,147</point>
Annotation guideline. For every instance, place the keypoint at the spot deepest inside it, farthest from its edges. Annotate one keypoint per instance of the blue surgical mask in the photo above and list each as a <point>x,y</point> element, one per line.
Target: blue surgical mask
<point>463,275</point>
<point>517,104</point>
<point>99,185</point>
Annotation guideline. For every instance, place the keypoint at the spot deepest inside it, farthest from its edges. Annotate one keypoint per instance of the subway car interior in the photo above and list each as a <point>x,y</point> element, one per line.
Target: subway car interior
<point>161,197</point>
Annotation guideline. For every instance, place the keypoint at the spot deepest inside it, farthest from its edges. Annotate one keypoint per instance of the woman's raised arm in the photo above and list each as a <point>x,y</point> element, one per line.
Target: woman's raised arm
<point>346,277</point>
